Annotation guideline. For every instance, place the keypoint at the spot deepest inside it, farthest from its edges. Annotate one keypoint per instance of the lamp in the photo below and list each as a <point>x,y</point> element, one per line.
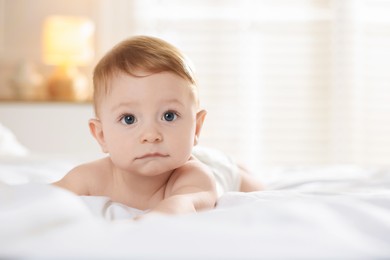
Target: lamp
<point>67,43</point>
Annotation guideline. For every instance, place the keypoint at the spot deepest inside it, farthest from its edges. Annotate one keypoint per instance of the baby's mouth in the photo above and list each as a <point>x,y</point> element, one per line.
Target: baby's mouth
<point>152,155</point>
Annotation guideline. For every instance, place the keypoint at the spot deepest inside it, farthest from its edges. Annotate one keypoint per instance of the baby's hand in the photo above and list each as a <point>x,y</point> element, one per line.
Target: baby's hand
<point>137,218</point>
<point>149,215</point>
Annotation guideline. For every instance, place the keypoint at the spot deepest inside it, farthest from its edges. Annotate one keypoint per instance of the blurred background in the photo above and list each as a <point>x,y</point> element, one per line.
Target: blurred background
<point>285,82</point>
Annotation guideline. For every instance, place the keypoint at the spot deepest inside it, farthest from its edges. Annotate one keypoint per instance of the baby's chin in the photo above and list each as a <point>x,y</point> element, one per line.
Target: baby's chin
<point>153,168</point>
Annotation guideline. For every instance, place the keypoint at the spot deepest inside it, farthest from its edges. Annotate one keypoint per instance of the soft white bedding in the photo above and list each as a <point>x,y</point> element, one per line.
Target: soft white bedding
<point>332,212</point>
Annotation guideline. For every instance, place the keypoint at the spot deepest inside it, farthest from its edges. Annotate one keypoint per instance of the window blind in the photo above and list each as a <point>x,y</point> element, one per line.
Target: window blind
<point>284,82</point>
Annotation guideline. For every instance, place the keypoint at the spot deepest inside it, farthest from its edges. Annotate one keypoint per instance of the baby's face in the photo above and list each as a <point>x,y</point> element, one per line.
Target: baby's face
<point>149,123</point>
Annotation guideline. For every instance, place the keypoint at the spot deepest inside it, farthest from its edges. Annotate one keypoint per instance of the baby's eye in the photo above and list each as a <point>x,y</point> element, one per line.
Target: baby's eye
<point>170,116</point>
<point>128,119</point>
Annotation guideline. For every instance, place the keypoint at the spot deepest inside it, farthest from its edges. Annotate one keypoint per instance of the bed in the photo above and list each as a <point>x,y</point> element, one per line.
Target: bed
<point>318,212</point>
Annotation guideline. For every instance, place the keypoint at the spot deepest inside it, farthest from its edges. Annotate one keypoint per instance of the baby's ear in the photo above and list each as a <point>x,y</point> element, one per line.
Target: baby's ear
<point>95,126</point>
<point>200,117</point>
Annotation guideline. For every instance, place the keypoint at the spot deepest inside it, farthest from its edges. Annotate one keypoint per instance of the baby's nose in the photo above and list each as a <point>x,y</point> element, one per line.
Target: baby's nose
<point>151,135</point>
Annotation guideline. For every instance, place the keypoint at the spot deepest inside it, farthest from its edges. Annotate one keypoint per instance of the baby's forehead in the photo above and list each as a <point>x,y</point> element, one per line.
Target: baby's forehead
<point>154,79</point>
<point>146,84</point>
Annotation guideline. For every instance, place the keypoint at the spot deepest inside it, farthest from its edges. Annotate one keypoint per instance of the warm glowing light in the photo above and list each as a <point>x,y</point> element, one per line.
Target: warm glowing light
<point>68,43</point>
<point>67,40</point>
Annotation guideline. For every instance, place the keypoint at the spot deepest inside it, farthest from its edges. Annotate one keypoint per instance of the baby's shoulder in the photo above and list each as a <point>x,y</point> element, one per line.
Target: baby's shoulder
<point>96,168</point>
<point>193,165</point>
<point>193,176</point>
<point>193,169</point>
<point>87,177</point>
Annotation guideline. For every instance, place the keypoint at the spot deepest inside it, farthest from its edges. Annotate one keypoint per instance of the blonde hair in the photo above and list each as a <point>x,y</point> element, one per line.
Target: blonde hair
<point>145,53</point>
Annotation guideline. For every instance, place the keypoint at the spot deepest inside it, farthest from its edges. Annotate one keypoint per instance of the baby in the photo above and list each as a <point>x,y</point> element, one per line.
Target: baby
<point>148,120</point>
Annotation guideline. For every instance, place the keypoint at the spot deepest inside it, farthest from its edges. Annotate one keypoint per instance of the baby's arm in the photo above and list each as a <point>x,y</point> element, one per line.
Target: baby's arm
<point>248,182</point>
<point>191,189</point>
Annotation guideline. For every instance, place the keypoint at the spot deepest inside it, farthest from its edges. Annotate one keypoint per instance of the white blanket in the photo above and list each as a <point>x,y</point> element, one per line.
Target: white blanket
<point>334,212</point>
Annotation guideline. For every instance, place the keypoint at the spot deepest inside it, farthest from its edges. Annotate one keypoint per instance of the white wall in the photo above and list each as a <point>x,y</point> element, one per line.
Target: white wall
<point>46,128</point>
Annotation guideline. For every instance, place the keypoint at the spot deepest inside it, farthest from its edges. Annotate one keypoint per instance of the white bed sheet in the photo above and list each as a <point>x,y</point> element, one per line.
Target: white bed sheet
<point>329,212</point>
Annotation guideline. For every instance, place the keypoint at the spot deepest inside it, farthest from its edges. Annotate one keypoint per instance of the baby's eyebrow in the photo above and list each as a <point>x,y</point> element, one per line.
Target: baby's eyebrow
<point>174,101</point>
<point>130,104</point>
<point>124,104</point>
